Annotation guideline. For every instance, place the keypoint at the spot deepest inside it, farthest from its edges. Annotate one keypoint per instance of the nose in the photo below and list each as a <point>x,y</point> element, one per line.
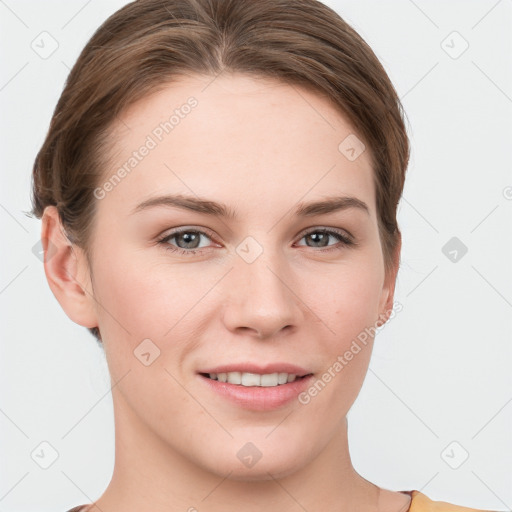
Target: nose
<point>263,297</point>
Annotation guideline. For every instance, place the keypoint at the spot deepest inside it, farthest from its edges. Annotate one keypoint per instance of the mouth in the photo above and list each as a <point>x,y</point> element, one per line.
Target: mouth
<point>256,387</point>
<point>263,390</point>
<point>249,379</point>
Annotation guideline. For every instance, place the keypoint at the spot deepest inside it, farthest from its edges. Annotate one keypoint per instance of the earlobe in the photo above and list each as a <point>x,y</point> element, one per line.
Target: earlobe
<point>67,271</point>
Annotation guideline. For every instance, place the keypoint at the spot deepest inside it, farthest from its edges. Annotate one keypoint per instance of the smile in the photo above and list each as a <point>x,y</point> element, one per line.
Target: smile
<point>257,391</point>
<point>253,379</point>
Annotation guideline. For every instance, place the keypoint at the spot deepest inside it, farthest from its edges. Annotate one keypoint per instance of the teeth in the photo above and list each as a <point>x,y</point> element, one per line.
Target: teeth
<point>269,379</point>
<point>234,378</point>
<point>254,379</point>
<point>250,379</point>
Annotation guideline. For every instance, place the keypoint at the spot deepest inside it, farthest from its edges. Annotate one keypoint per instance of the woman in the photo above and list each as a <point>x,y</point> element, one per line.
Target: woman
<point>218,191</point>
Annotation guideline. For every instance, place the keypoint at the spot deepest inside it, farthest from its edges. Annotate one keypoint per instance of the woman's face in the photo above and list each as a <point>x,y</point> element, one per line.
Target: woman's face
<point>180,292</point>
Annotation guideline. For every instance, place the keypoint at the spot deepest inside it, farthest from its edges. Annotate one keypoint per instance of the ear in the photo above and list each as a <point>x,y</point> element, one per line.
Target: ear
<point>388,289</point>
<point>67,271</point>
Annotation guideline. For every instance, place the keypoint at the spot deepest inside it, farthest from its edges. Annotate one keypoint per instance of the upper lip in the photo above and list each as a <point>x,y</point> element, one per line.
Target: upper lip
<point>261,369</point>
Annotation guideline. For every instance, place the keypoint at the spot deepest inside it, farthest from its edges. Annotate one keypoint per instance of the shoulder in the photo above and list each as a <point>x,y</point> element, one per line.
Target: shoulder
<point>422,503</point>
<point>80,508</point>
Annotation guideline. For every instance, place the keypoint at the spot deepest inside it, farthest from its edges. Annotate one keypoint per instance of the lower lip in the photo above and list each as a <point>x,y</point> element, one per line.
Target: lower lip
<point>259,398</point>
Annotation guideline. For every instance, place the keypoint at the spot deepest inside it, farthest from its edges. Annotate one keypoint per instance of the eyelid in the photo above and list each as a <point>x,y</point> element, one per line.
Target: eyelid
<point>339,231</point>
<point>181,229</point>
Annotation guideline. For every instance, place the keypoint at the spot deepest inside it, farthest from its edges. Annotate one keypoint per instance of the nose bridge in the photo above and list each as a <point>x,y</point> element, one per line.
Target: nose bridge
<point>260,290</point>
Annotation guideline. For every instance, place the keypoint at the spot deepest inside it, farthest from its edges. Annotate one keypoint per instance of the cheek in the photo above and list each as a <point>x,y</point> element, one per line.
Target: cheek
<point>347,297</point>
<point>143,294</point>
<point>349,304</point>
<point>149,298</point>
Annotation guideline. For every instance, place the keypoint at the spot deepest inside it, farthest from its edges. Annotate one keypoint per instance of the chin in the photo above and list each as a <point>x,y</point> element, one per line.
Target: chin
<point>248,463</point>
<point>262,471</point>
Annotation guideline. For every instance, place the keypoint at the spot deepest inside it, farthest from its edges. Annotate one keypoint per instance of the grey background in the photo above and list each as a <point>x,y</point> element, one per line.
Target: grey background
<point>439,387</point>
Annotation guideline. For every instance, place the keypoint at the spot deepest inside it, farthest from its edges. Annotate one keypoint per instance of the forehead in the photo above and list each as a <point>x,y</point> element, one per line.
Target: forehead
<point>238,138</point>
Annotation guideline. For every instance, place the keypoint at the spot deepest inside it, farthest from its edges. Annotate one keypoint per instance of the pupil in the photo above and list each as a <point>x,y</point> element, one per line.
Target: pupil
<point>189,238</point>
<point>321,235</point>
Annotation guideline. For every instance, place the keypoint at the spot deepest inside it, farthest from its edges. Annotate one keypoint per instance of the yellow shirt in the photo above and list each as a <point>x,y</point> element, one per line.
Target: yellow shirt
<point>421,503</point>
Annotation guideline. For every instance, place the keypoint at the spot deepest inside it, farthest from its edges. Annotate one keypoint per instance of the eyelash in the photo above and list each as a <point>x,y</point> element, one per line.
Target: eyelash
<point>342,238</point>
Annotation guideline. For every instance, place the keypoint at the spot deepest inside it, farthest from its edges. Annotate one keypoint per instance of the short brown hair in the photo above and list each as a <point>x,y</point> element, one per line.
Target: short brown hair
<point>148,43</point>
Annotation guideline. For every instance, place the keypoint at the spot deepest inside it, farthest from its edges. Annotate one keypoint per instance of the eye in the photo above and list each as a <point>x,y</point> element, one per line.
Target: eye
<point>187,240</point>
<point>321,236</point>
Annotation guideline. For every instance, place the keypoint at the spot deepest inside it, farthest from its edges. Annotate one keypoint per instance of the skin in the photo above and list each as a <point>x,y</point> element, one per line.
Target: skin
<point>261,147</point>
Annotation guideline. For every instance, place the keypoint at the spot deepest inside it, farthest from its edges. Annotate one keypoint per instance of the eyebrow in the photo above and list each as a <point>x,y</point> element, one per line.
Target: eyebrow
<point>322,207</point>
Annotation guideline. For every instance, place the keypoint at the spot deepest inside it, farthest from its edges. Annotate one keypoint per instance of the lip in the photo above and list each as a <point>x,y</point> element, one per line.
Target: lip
<point>261,369</point>
<point>258,398</point>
